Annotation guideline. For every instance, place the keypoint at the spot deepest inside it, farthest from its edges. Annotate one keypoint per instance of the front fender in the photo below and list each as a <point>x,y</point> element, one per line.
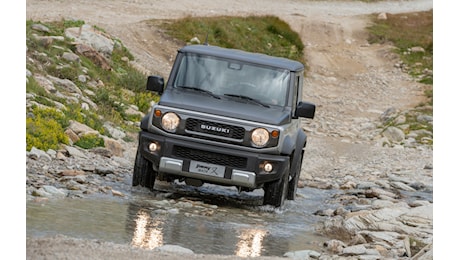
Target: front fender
<point>145,122</point>
<point>291,145</point>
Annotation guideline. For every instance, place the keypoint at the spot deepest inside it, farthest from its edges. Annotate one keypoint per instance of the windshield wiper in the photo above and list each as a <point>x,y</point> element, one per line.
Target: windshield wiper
<point>247,98</point>
<point>201,90</point>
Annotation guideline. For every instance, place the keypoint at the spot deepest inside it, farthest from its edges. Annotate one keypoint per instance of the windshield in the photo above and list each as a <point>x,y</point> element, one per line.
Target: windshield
<point>233,78</point>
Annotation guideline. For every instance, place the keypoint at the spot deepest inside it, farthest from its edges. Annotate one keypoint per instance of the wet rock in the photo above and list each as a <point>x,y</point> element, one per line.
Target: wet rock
<point>302,254</point>
<point>174,249</point>
<point>51,191</point>
<point>117,193</point>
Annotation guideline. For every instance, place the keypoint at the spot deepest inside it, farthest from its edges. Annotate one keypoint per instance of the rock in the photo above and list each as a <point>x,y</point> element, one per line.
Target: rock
<point>115,132</point>
<point>70,56</point>
<point>103,170</point>
<point>40,27</point>
<point>45,83</point>
<point>354,250</point>
<point>394,134</point>
<point>302,254</point>
<point>87,34</point>
<point>335,246</point>
<point>174,249</point>
<point>72,135</point>
<point>93,55</point>
<point>75,152</point>
<point>81,129</point>
<point>382,16</point>
<point>102,151</point>
<point>113,146</point>
<point>417,49</point>
<point>66,84</point>
<point>39,154</point>
<point>51,191</point>
<point>72,173</point>
<point>117,193</point>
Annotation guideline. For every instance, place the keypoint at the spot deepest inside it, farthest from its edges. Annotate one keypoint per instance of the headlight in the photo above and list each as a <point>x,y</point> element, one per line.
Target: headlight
<point>260,137</point>
<point>170,121</point>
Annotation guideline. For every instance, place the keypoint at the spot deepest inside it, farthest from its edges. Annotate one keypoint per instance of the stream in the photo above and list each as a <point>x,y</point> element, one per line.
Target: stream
<point>209,220</point>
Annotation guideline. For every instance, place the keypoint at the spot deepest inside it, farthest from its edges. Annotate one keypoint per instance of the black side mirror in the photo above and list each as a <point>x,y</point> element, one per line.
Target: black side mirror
<point>155,84</point>
<point>305,109</point>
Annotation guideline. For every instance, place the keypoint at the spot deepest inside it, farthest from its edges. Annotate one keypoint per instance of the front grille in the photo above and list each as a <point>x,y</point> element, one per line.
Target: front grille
<point>213,128</point>
<point>209,157</point>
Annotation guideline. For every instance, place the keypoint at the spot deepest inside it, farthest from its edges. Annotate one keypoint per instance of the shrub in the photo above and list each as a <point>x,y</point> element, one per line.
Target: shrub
<point>44,129</point>
<point>90,141</point>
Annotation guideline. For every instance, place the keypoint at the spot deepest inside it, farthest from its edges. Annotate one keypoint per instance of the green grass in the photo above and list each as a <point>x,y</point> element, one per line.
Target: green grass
<point>262,34</point>
<point>405,31</point>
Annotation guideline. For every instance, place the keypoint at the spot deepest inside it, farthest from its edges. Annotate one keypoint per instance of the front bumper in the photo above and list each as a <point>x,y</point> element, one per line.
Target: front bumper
<point>234,167</point>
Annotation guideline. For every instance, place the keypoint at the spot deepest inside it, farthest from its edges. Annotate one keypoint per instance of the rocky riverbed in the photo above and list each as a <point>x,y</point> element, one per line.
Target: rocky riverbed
<point>383,177</point>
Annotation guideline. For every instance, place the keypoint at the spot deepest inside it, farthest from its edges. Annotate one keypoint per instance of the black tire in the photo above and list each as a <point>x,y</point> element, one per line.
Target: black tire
<point>143,173</point>
<point>275,193</point>
<point>292,189</point>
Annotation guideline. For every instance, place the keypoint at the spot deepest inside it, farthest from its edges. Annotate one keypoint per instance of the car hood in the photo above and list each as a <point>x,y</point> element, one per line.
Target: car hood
<point>225,106</point>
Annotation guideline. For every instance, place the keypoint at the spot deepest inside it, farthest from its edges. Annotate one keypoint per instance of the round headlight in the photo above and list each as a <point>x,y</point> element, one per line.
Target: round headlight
<point>170,121</point>
<point>260,137</point>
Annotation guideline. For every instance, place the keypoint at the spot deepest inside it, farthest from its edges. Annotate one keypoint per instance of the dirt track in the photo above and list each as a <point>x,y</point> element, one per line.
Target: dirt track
<point>351,82</point>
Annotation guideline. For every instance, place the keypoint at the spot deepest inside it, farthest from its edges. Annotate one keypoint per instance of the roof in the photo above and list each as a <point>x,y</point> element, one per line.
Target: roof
<point>251,57</point>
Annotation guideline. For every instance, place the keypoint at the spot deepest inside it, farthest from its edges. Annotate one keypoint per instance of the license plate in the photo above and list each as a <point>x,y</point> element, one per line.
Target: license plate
<point>207,169</point>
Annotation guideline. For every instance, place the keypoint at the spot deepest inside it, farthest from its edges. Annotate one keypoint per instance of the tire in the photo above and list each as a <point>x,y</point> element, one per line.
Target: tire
<point>292,189</point>
<point>275,193</point>
<point>143,173</point>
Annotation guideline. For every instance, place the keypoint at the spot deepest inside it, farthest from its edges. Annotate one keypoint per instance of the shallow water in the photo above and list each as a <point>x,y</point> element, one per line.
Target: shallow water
<point>207,222</point>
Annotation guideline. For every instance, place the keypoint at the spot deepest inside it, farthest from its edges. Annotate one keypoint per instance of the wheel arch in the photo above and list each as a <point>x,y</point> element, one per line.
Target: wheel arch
<point>298,151</point>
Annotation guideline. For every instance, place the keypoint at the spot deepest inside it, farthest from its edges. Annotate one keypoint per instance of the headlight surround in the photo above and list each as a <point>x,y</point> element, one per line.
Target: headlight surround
<point>170,122</point>
<point>260,137</point>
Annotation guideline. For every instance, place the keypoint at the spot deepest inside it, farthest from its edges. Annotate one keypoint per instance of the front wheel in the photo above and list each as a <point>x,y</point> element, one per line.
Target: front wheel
<point>143,173</point>
<point>275,193</point>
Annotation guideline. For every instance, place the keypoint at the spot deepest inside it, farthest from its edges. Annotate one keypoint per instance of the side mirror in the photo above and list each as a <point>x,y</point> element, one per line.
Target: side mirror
<point>155,84</point>
<point>305,109</point>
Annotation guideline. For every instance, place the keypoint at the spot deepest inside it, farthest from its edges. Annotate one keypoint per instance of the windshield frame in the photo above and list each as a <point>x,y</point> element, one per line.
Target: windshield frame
<point>193,69</point>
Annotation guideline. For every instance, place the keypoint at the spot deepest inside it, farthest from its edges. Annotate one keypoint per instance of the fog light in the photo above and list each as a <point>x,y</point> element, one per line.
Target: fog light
<point>268,167</point>
<point>153,147</point>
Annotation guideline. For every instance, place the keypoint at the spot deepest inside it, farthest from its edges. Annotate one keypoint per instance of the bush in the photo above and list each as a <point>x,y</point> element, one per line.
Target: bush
<point>44,129</point>
<point>90,141</point>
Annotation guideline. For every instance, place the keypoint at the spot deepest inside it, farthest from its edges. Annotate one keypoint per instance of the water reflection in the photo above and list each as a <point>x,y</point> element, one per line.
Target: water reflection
<point>250,244</point>
<point>151,228</point>
<point>148,233</point>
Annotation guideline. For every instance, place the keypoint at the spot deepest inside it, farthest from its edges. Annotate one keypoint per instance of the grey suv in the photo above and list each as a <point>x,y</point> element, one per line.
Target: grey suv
<point>226,117</point>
